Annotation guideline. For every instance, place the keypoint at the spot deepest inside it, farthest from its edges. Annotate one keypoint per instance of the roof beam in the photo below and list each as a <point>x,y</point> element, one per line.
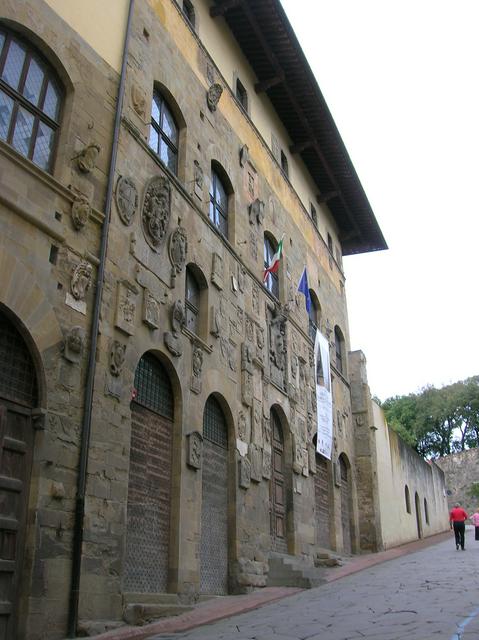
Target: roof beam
<point>221,9</point>
<point>298,147</point>
<point>326,197</point>
<point>264,85</point>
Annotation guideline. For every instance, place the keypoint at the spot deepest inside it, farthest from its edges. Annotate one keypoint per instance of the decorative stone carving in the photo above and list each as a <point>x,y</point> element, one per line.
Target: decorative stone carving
<point>218,317</point>
<point>117,357</point>
<point>249,329</point>
<point>253,245</point>
<point>81,280</point>
<point>81,210</point>
<point>73,345</point>
<point>242,426</point>
<point>213,95</point>
<point>197,365</point>
<point>267,430</point>
<point>126,307</point>
<point>247,357</point>
<point>244,475</point>
<point>86,160</point>
<point>172,339</point>
<point>298,461</point>
<point>126,198</point>
<point>178,249</point>
<point>337,473</point>
<point>138,100</point>
<point>198,176</point>
<point>246,388</point>
<point>228,353</point>
<point>256,462</point>
<point>194,457</point>
<point>256,212</point>
<point>244,155</point>
<point>255,298</point>
<point>277,348</point>
<point>151,310</point>
<point>312,458</point>
<point>257,422</point>
<point>156,210</point>
<point>217,271</point>
<point>266,464</point>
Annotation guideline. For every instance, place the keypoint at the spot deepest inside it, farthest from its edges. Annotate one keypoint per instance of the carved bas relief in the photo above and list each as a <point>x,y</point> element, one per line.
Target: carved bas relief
<point>80,213</point>
<point>177,251</point>
<point>194,457</point>
<point>217,271</point>
<point>244,473</point>
<point>198,180</point>
<point>138,101</point>
<point>81,280</point>
<point>126,198</point>
<point>151,310</point>
<point>126,307</point>
<point>256,212</point>
<point>86,159</point>
<point>277,349</point>
<point>197,365</point>
<point>173,339</point>
<point>267,463</point>
<point>213,96</point>
<point>244,155</point>
<point>73,345</point>
<point>114,385</point>
<point>156,211</point>
<point>247,374</point>
<point>256,461</point>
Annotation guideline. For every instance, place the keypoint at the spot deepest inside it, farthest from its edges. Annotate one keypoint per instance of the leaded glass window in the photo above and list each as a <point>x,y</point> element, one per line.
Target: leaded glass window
<point>30,101</point>
<point>164,132</point>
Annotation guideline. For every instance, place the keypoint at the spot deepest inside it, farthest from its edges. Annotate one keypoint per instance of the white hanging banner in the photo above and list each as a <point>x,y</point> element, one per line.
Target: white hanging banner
<point>324,398</point>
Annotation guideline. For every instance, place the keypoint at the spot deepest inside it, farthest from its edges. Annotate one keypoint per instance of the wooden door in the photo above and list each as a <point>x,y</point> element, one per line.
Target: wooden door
<point>322,501</point>
<point>149,483</point>
<point>214,502</point>
<point>345,506</point>
<point>18,395</point>
<point>278,490</point>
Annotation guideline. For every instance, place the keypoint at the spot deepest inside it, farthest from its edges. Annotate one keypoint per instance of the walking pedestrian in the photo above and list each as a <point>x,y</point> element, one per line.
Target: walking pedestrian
<point>457,520</point>
<point>475,522</point>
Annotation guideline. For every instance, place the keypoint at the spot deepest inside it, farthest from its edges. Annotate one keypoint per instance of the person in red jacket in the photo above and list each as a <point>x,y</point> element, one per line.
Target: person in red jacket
<point>457,520</point>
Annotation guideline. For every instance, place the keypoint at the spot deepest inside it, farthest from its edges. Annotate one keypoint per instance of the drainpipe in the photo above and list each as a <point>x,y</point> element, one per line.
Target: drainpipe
<point>95,325</point>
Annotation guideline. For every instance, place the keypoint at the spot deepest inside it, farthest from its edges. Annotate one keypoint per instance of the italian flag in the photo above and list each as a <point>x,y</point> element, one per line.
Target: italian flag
<point>274,264</point>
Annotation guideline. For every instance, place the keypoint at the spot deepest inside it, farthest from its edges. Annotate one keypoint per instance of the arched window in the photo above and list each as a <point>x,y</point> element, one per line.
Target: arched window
<point>272,281</point>
<point>30,100</point>
<point>339,349</point>
<point>164,132</point>
<point>153,387</point>
<point>218,203</point>
<point>407,498</point>
<point>192,301</point>
<point>426,512</point>
<point>314,315</point>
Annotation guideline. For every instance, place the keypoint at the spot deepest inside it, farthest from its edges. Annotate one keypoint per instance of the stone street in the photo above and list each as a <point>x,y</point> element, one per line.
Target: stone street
<point>430,594</point>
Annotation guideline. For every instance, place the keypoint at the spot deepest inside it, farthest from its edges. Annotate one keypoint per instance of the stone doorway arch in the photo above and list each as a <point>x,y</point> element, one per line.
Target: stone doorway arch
<point>346,503</point>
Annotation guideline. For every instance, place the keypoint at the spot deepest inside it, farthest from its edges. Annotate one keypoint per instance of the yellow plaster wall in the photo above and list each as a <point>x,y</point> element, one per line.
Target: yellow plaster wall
<point>105,33</point>
<point>227,55</point>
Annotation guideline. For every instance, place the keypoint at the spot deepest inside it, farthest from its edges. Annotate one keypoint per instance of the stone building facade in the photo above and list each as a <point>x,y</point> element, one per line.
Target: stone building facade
<point>156,396</point>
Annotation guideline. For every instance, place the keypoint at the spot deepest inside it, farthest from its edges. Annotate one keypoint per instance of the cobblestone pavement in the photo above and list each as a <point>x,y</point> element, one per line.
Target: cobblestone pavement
<point>428,595</point>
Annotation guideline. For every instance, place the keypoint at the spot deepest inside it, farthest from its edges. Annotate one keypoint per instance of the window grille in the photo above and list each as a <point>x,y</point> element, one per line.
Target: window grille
<point>17,372</point>
<point>214,423</point>
<point>153,386</point>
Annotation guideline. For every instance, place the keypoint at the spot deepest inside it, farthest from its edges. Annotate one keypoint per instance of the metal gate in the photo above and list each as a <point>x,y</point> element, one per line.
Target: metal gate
<point>18,395</point>
<point>149,483</point>
<point>322,500</point>
<point>345,506</point>
<point>278,490</point>
<point>214,502</point>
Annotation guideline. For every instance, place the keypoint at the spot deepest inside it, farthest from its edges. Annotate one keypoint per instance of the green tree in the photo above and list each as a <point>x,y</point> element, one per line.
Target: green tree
<point>437,422</point>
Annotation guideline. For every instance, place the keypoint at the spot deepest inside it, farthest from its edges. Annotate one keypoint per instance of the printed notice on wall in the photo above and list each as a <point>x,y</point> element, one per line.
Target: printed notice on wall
<point>324,399</point>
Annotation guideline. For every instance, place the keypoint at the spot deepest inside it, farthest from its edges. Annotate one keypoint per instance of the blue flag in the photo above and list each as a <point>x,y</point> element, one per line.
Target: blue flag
<point>304,289</point>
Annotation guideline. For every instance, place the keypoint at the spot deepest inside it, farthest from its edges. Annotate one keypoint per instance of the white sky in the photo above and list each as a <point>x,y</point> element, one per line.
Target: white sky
<point>401,80</point>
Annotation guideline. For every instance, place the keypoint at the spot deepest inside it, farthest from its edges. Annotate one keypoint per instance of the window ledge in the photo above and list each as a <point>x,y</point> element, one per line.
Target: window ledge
<point>197,340</point>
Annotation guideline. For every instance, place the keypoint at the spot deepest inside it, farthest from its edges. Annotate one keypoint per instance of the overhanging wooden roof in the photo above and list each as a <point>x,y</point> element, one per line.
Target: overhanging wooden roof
<point>266,37</point>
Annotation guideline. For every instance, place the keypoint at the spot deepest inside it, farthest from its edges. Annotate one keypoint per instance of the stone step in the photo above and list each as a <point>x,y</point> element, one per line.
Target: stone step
<point>139,614</point>
<point>290,571</point>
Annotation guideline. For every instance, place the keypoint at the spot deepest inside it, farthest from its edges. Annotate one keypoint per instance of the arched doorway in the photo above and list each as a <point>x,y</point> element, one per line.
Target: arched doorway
<point>322,501</point>
<point>418,515</point>
<point>346,500</point>
<point>149,482</point>
<point>18,396</point>
<point>214,501</point>
<point>278,488</point>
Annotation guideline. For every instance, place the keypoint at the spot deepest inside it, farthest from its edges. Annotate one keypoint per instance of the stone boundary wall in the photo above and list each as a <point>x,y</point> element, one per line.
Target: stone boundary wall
<point>461,471</point>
